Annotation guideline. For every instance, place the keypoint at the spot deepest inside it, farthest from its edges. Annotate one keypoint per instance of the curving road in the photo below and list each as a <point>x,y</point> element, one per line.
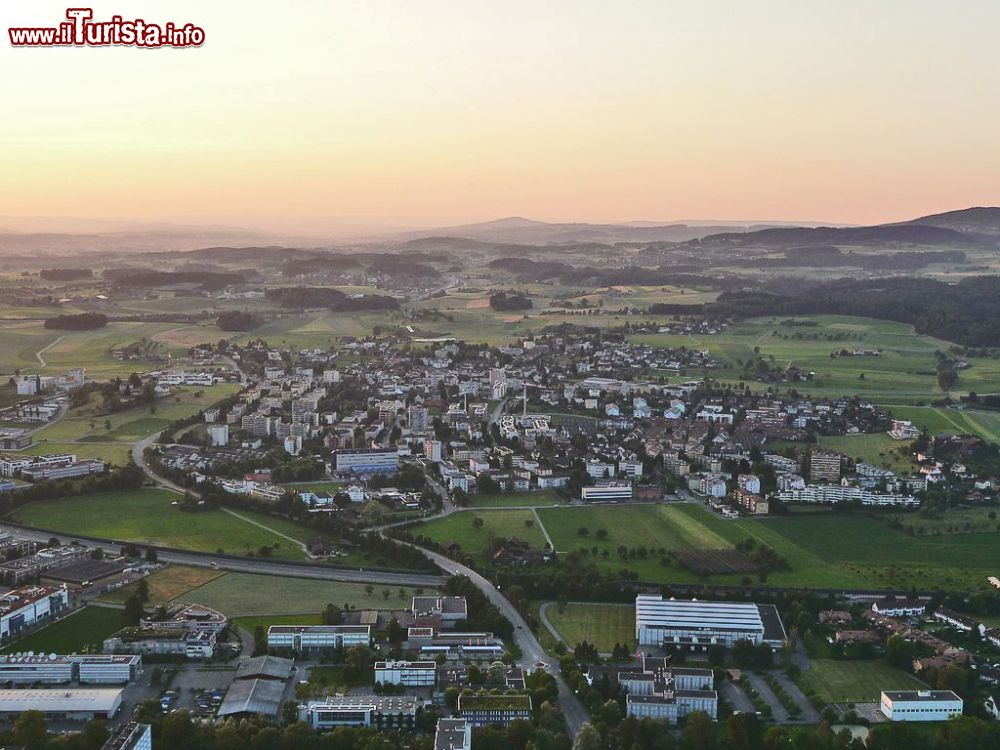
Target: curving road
<point>531,650</point>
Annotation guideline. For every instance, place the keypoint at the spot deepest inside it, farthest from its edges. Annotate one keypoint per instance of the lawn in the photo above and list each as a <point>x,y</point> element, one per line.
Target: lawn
<point>604,625</point>
<point>83,631</point>
<point>246,594</point>
<point>843,681</point>
<point>148,516</point>
<point>461,529</point>
<point>166,584</point>
<point>542,497</point>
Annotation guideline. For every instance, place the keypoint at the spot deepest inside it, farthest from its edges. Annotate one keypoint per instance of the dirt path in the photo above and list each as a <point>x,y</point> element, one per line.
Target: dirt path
<point>40,352</point>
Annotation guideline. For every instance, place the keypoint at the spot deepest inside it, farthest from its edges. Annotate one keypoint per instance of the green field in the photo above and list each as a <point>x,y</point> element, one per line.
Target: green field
<point>504,524</point>
<point>166,584</point>
<point>524,499</point>
<point>823,549</point>
<point>148,516</point>
<point>903,374</point>
<point>604,625</point>
<point>83,631</point>
<point>114,454</point>
<point>243,595</point>
<point>843,681</point>
<point>936,420</point>
<point>20,341</point>
<point>878,449</point>
<point>129,425</point>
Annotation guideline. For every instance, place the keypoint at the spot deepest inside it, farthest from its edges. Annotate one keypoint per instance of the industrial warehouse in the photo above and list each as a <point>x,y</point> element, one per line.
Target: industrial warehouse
<point>697,625</point>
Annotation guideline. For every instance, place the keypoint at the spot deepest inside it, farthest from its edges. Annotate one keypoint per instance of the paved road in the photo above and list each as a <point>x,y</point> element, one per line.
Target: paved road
<point>531,649</point>
<point>252,565</point>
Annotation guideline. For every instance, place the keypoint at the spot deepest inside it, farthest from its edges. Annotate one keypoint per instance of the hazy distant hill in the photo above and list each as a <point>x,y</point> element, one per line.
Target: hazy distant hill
<point>979,220</point>
<point>517,230</point>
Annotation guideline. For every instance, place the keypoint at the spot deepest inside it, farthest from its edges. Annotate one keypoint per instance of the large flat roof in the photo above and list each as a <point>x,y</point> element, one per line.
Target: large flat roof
<point>921,695</point>
<point>697,615</point>
<point>99,700</point>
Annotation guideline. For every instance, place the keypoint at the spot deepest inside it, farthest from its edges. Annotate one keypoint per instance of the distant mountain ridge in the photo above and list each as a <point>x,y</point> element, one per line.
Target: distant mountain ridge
<point>978,220</point>
<point>520,231</point>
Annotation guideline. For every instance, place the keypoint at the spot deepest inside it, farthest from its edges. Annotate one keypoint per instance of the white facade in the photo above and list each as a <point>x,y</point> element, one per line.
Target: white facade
<point>920,705</point>
<point>408,673</point>
<point>318,637</point>
<point>695,624</point>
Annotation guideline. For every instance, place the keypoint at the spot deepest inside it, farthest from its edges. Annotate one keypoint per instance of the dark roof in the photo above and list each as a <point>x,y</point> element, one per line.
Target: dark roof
<point>253,697</point>
<point>84,570</point>
<point>265,667</point>
<point>773,629</point>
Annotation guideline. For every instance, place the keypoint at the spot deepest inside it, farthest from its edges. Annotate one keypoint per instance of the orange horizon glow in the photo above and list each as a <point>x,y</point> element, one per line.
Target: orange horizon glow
<point>451,112</point>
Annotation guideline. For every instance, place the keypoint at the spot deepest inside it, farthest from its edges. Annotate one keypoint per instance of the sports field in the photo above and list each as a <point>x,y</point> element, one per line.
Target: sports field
<point>851,681</point>
<point>246,594</point>
<point>603,625</point>
<point>81,632</point>
<point>149,516</point>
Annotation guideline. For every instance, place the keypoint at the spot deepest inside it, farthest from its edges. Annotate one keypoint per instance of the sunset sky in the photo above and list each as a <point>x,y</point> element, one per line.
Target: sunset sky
<point>432,111</point>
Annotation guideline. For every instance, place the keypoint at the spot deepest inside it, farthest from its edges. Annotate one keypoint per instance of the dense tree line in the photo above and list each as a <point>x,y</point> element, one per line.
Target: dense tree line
<point>510,301</point>
<point>237,320</point>
<point>301,297</point>
<point>79,322</point>
<point>65,274</point>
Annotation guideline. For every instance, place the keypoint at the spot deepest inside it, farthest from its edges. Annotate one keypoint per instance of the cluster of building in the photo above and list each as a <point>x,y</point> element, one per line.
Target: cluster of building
<point>48,467</point>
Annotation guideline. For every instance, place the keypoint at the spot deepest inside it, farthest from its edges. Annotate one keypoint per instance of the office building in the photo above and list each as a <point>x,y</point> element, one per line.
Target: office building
<point>389,712</point>
<point>30,605</point>
<point>408,673</point>
<point>318,637</point>
<point>920,705</point>
<point>607,492</point>
<point>484,710</point>
<point>659,691</point>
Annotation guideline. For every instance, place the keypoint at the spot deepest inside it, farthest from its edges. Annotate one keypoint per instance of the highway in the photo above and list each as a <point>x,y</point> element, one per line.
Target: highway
<point>245,564</point>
